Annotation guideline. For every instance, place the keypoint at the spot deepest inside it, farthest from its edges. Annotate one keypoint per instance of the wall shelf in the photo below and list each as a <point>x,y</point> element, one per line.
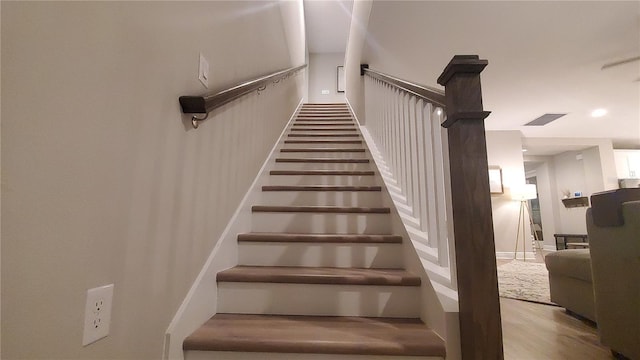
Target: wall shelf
<point>576,202</point>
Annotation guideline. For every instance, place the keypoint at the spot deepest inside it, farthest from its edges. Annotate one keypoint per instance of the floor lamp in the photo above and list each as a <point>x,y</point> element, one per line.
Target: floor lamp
<point>524,194</point>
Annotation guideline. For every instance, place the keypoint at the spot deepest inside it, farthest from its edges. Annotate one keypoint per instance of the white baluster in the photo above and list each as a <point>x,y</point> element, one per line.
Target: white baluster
<point>387,126</point>
<point>396,135</point>
<point>406,148</point>
<point>399,133</point>
<point>440,198</point>
<point>432,222</point>
<point>413,159</point>
<point>448,241</point>
<point>421,141</point>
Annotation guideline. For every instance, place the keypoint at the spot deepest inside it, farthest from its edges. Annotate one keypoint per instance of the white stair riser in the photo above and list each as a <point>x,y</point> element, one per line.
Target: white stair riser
<point>381,256</point>
<point>322,198</point>
<point>331,155</point>
<point>235,355</point>
<point>355,180</point>
<point>321,223</point>
<point>324,121</point>
<point>319,299</point>
<point>321,166</point>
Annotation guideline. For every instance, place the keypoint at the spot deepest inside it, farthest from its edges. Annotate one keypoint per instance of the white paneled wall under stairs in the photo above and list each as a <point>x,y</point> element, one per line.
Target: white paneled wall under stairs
<point>321,275</point>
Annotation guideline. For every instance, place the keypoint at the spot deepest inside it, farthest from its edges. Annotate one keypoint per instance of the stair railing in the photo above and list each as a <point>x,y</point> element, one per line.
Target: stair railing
<point>400,117</point>
<point>431,149</point>
<point>204,104</point>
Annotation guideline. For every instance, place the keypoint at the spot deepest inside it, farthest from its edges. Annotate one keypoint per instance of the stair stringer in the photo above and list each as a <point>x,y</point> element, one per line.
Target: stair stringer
<point>201,301</point>
<point>439,307</point>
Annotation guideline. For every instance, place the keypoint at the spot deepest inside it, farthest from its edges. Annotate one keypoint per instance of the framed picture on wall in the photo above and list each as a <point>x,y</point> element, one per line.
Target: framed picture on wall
<point>340,79</point>
<point>495,180</point>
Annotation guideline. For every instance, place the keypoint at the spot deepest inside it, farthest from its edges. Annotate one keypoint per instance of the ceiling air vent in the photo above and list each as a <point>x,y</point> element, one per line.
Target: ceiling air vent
<point>544,119</point>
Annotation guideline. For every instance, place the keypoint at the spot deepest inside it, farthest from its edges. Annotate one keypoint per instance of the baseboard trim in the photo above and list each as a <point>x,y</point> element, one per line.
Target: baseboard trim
<point>508,255</point>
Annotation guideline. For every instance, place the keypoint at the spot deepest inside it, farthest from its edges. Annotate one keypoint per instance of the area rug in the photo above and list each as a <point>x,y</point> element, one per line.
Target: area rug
<point>528,281</point>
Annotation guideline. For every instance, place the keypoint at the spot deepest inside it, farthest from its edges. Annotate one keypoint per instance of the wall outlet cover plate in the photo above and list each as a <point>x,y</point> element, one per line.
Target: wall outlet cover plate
<point>203,71</point>
<point>97,314</point>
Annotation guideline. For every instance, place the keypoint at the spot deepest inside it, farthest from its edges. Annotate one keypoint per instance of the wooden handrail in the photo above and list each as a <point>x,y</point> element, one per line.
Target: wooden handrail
<point>206,103</point>
<point>430,94</point>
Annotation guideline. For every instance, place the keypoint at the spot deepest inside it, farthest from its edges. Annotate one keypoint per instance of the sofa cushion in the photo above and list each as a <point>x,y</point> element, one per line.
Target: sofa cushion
<point>574,263</point>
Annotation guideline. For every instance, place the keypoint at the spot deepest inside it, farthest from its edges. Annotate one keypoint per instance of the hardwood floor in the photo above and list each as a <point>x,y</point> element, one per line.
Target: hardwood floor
<point>534,332</point>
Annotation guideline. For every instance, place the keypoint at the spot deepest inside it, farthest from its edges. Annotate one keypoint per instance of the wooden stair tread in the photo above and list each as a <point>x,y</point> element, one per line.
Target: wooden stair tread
<point>320,238</point>
<point>325,104</point>
<point>307,120</point>
<point>320,150</point>
<point>329,109</point>
<point>323,141</point>
<point>324,129</point>
<point>324,135</point>
<point>318,275</point>
<point>325,117</point>
<point>319,188</point>
<point>323,113</point>
<point>351,124</point>
<point>322,209</point>
<point>324,172</point>
<point>316,334</point>
<point>322,160</point>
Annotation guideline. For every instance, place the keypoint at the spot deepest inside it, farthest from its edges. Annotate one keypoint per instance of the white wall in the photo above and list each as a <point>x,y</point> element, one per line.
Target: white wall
<point>353,58</point>
<point>323,76</point>
<point>103,179</point>
<point>576,171</point>
<point>549,205</point>
<point>587,171</point>
<point>292,12</point>
<point>627,163</point>
<point>504,149</point>
<point>570,177</point>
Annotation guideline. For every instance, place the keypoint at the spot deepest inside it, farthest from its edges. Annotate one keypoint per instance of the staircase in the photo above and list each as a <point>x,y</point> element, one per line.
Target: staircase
<point>320,276</point>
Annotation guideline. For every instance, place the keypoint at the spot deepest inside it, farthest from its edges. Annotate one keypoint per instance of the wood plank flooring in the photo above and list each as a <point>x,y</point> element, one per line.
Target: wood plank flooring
<point>534,332</point>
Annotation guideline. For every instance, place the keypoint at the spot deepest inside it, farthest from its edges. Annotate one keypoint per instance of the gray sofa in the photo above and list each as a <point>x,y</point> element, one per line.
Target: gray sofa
<point>602,283</point>
<point>570,281</point>
<point>613,226</point>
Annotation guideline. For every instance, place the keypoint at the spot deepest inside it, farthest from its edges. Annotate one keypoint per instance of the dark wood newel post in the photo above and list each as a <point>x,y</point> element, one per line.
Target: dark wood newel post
<point>480,325</point>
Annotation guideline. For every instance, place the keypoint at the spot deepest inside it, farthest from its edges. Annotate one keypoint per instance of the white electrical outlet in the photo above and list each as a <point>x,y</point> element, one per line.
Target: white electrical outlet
<point>325,92</point>
<point>97,314</point>
<point>203,71</point>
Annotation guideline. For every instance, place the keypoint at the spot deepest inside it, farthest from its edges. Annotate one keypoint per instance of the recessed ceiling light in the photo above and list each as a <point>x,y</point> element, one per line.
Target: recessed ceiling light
<point>599,112</point>
<point>524,150</point>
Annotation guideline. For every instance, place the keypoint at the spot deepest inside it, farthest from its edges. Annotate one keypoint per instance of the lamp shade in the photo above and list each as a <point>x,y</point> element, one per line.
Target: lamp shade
<point>524,192</point>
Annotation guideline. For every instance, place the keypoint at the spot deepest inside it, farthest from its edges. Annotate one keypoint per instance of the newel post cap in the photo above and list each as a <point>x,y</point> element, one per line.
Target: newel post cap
<point>462,64</point>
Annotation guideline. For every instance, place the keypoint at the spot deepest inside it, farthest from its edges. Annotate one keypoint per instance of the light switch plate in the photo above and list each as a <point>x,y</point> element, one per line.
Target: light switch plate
<point>97,314</point>
<point>203,71</point>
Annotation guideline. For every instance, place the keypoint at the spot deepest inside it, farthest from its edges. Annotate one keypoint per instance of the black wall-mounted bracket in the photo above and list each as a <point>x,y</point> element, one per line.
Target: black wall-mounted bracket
<point>362,68</point>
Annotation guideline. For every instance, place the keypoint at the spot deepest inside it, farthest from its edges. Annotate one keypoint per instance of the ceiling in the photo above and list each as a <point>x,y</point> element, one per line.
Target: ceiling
<point>544,57</point>
<point>327,24</point>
